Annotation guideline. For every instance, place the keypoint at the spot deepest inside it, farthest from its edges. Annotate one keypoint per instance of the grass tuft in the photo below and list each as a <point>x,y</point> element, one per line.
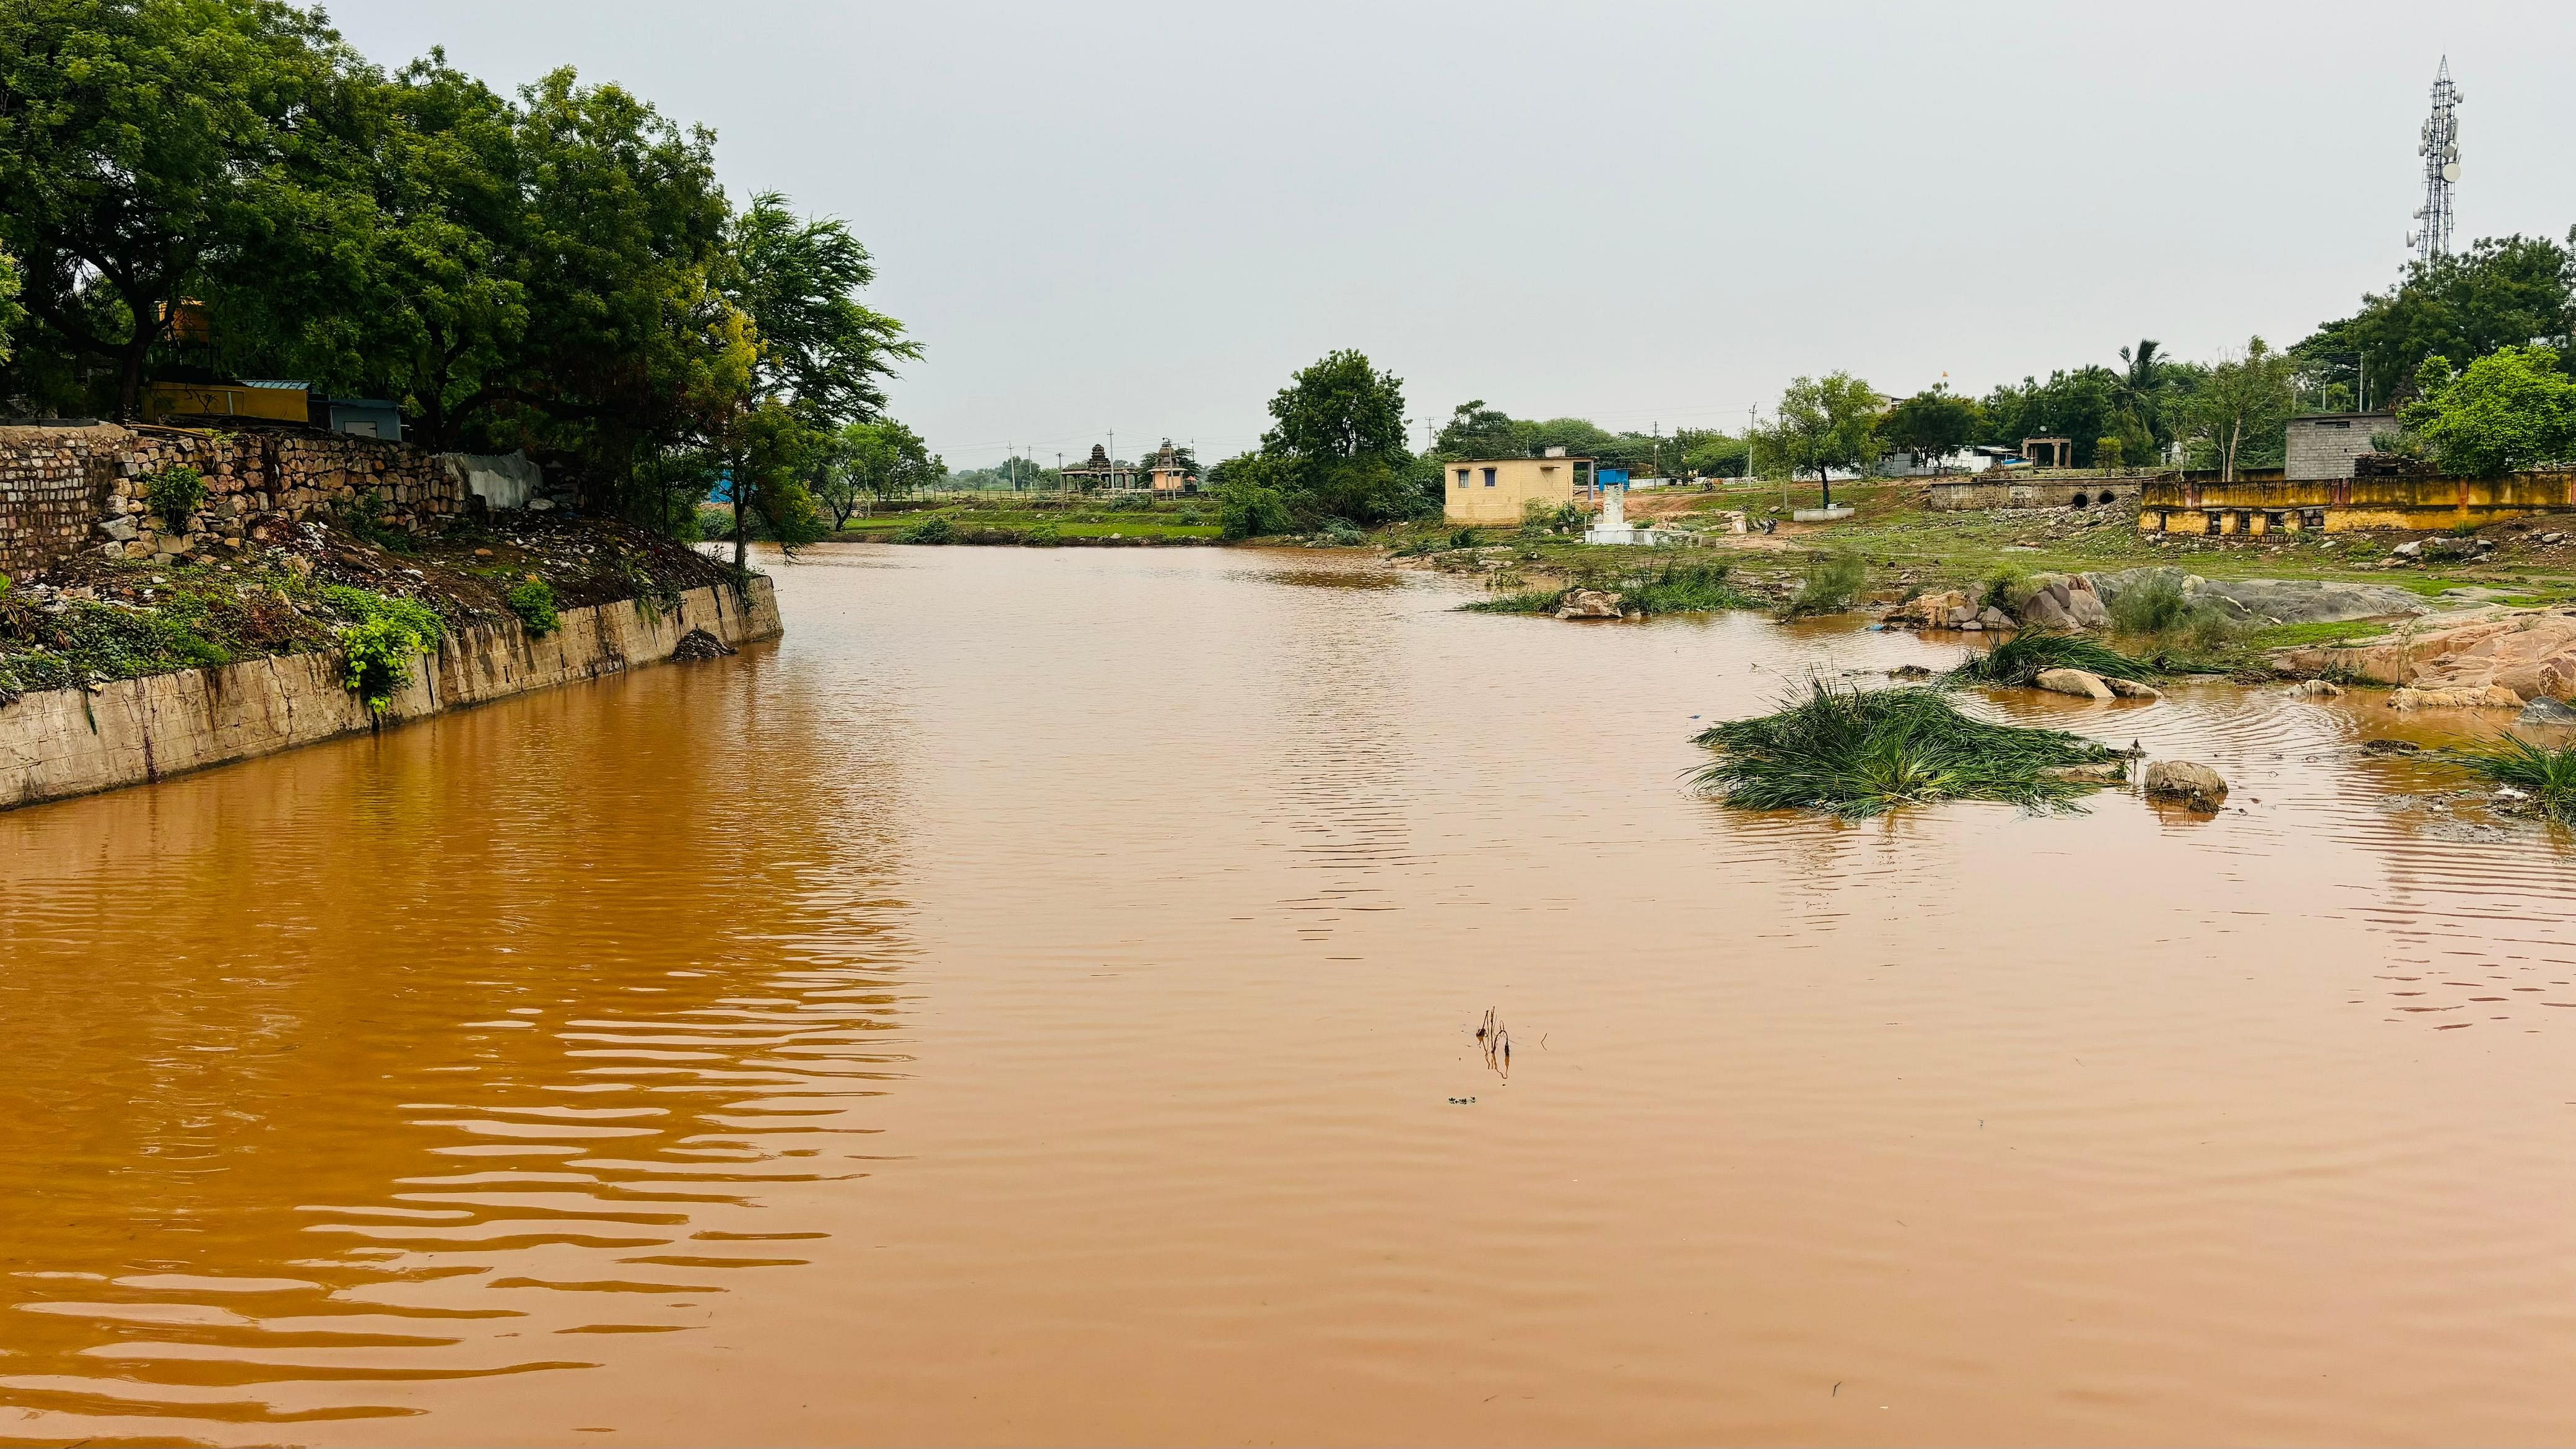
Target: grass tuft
<point>2547,775</point>
<point>2021,659</point>
<point>1831,585</point>
<point>1858,753</point>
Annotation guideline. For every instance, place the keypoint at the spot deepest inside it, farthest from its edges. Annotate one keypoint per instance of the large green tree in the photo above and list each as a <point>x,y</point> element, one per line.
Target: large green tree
<point>2239,412</point>
<point>1821,424</point>
<point>1931,425</point>
<point>152,151</point>
<point>2501,292</point>
<point>818,357</point>
<point>879,459</point>
<point>2511,409</point>
<point>1336,446</point>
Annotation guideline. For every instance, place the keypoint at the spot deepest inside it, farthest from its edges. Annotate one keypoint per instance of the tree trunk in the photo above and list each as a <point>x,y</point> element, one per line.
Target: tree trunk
<point>1825,480</point>
<point>129,382</point>
<point>734,487</point>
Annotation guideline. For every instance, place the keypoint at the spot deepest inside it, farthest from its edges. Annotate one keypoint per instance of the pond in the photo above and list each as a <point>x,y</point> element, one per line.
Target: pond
<point>1038,1000</point>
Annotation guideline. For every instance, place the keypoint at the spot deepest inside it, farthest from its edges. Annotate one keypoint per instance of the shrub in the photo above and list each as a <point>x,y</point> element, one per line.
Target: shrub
<point>1858,753</point>
<point>934,529</point>
<point>534,603</point>
<point>382,638</point>
<point>2157,610</point>
<point>1341,532</point>
<point>1251,510</point>
<point>1044,535</point>
<point>1831,584</point>
<point>175,494</point>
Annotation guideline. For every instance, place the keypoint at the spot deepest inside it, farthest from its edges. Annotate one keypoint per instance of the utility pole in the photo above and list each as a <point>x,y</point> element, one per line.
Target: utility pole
<point>1113,458</point>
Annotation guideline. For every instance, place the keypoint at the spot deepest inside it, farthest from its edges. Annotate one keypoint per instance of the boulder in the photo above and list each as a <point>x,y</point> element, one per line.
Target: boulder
<point>1588,604</point>
<point>2546,711</point>
<point>2316,689</point>
<point>699,644</point>
<point>2131,689</point>
<point>2085,608</point>
<point>1994,618</point>
<point>2409,549</point>
<point>2198,786</point>
<point>2044,611</point>
<point>2077,682</point>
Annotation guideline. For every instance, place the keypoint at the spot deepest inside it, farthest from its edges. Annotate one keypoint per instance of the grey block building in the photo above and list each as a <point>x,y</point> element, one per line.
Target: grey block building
<point>2323,445</point>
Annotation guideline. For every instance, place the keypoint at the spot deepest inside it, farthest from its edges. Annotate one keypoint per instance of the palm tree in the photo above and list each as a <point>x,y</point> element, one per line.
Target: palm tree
<point>2141,385</point>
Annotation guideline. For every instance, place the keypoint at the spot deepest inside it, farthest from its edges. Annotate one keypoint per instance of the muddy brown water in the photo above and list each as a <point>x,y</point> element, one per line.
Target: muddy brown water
<point>1035,1003</point>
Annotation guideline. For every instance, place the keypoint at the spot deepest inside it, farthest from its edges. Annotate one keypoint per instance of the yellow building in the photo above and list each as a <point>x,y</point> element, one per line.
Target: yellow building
<point>2266,503</point>
<point>1494,491</point>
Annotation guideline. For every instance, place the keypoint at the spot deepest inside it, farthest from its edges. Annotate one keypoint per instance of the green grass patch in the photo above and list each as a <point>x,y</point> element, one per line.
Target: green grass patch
<point>1534,601</point>
<point>2547,775</point>
<point>1859,753</point>
<point>1685,588</point>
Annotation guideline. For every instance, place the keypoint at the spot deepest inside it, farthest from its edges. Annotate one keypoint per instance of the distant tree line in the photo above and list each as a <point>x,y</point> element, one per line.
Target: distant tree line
<point>225,187</point>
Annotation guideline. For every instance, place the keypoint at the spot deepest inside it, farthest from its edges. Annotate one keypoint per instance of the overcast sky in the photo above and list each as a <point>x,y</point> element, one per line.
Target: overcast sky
<point>1143,218</point>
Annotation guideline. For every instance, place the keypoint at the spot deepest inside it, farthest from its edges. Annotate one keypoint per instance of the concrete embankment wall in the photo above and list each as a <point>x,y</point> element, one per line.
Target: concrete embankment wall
<point>73,742</point>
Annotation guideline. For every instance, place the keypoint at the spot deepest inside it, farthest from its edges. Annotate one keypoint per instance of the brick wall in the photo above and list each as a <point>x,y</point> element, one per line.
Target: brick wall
<point>66,490</point>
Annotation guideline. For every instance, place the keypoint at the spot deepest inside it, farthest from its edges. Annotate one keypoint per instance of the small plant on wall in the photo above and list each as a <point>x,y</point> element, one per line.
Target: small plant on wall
<point>175,494</point>
<point>383,638</point>
<point>534,603</point>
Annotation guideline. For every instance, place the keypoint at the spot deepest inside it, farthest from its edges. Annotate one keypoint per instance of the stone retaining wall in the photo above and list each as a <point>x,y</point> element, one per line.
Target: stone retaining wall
<point>63,490</point>
<point>70,742</point>
<point>54,485</point>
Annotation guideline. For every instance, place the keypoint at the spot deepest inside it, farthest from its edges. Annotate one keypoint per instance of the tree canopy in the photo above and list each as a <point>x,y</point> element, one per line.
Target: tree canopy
<point>1335,449</point>
<point>2501,292</point>
<point>1822,424</point>
<point>559,271</point>
<point>2241,408</point>
<point>2511,409</point>
<point>1931,425</point>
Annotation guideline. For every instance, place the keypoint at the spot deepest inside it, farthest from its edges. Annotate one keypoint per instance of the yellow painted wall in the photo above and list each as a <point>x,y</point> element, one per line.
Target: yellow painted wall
<point>1516,482</point>
<point>2356,503</point>
<point>275,404</point>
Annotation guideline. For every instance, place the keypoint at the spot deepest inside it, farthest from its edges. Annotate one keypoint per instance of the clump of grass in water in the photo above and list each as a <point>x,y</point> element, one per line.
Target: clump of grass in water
<point>1831,584</point>
<point>2547,775</point>
<point>1686,588</point>
<point>1534,601</point>
<point>2022,658</point>
<point>1858,753</point>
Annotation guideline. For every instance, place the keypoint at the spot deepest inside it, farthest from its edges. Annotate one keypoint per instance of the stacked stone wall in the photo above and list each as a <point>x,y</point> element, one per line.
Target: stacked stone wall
<point>54,485</point>
<point>66,490</point>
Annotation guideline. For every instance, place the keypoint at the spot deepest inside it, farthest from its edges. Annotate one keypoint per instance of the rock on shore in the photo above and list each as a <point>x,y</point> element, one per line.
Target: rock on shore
<point>2529,655</point>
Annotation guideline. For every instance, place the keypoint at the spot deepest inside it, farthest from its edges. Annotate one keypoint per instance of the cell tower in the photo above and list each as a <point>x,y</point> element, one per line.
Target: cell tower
<point>2441,153</point>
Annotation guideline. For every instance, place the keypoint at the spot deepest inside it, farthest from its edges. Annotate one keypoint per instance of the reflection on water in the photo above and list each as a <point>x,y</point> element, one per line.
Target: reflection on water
<point>1162,995</point>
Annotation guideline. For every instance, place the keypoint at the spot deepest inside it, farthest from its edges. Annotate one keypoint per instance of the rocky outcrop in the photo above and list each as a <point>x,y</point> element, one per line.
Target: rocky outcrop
<point>2195,785</point>
<point>2531,654</point>
<point>65,742</point>
<point>2275,601</point>
<point>2064,602</point>
<point>1587,604</point>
